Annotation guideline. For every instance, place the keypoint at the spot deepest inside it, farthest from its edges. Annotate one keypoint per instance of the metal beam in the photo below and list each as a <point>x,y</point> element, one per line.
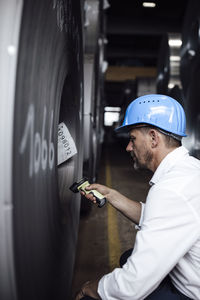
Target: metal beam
<point>124,26</point>
<point>115,52</point>
<point>115,73</point>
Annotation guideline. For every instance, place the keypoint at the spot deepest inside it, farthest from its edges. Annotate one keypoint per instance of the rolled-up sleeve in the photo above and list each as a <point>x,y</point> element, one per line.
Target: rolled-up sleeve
<point>167,222</point>
<point>141,216</point>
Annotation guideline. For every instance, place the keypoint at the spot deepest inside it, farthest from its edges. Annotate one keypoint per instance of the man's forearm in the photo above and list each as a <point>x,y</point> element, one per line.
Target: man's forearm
<point>129,208</point>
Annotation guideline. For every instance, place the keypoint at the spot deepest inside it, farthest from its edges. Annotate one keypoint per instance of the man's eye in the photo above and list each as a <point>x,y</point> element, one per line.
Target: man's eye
<point>132,140</point>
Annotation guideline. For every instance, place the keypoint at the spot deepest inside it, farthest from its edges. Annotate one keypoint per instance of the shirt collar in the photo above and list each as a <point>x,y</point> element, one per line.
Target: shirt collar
<point>167,163</point>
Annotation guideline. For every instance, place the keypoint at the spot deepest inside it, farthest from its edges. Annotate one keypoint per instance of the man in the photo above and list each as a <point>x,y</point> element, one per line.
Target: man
<point>165,261</point>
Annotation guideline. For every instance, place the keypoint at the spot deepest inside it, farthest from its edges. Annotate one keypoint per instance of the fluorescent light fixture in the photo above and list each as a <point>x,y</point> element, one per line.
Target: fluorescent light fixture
<point>112,109</point>
<point>171,85</point>
<point>174,58</point>
<point>175,42</point>
<point>149,4</point>
<point>111,115</point>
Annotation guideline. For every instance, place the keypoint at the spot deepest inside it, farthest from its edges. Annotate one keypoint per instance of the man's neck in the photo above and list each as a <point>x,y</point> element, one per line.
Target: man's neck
<point>159,156</point>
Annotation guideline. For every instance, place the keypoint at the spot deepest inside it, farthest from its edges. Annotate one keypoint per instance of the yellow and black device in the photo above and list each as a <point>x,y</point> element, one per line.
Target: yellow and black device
<point>81,185</point>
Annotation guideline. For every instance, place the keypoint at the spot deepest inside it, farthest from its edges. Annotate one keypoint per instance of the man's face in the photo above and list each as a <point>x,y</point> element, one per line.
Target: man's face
<point>139,149</point>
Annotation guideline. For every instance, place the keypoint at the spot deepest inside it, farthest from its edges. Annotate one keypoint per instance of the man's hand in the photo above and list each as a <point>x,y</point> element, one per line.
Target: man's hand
<point>107,192</point>
<point>89,289</point>
<point>129,208</point>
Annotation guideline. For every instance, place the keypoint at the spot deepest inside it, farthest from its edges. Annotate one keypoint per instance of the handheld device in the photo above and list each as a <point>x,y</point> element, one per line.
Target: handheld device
<point>81,185</point>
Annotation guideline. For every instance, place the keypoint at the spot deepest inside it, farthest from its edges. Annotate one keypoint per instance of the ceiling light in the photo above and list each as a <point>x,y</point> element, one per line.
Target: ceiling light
<point>175,42</point>
<point>171,85</point>
<point>174,58</point>
<point>149,4</point>
<point>112,109</point>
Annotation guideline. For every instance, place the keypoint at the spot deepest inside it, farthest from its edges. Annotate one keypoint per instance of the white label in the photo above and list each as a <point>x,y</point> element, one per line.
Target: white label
<point>66,145</point>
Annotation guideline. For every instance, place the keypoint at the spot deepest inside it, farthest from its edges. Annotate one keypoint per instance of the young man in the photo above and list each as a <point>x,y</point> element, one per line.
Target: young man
<point>165,261</point>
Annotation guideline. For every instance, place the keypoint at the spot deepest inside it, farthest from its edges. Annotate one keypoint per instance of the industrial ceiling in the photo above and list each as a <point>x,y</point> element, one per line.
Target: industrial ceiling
<point>134,34</point>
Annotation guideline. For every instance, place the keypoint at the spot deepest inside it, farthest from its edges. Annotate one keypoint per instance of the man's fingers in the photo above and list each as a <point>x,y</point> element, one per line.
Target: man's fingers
<point>93,186</point>
<point>79,296</point>
<point>89,196</point>
<point>99,187</point>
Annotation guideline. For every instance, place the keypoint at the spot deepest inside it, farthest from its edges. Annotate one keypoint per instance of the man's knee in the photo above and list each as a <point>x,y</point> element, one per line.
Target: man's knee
<point>124,257</point>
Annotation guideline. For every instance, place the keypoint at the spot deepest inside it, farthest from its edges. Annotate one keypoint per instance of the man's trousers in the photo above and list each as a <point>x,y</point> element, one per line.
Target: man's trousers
<point>165,291</point>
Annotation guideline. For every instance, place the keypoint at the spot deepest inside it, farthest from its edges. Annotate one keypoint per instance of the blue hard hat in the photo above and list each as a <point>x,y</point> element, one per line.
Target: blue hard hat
<point>161,111</point>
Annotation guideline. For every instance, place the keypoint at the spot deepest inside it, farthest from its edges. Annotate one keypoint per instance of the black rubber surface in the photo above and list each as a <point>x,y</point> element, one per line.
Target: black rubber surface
<point>48,91</point>
<point>94,46</point>
<point>163,67</point>
<point>190,42</point>
<point>189,71</point>
<point>192,109</point>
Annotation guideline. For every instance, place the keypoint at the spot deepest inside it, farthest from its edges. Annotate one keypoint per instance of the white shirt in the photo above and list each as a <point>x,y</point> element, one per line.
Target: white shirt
<point>169,239</point>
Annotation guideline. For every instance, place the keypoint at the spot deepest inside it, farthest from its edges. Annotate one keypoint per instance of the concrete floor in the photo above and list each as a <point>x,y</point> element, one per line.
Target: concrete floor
<point>104,234</point>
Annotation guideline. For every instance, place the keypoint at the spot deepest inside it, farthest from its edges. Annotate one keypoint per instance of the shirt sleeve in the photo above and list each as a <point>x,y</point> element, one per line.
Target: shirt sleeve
<point>141,216</point>
<point>168,231</point>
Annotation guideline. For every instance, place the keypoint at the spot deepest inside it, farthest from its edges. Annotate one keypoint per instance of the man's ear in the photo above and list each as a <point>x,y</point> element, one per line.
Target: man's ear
<point>154,138</point>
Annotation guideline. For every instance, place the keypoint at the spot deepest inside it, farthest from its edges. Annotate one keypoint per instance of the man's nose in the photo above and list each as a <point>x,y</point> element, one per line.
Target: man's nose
<point>129,147</point>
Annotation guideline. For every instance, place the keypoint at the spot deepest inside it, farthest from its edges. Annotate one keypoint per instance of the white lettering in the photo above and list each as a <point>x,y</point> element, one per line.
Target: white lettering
<point>29,131</point>
<point>37,152</point>
<point>44,142</point>
<point>40,151</point>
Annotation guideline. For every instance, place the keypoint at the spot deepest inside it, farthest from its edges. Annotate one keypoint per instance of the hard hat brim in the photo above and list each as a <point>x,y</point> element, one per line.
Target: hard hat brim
<point>127,128</point>
<point>123,129</point>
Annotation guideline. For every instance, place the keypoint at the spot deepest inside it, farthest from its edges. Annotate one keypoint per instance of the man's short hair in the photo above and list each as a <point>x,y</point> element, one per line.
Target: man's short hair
<point>171,140</point>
